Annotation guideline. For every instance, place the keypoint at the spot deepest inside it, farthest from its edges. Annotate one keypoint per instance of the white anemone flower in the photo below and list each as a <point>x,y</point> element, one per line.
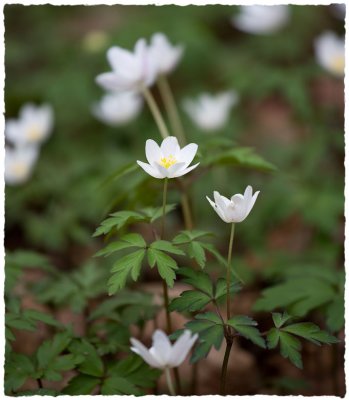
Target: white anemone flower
<point>330,52</point>
<point>19,162</point>
<point>33,126</point>
<point>130,70</point>
<point>163,354</point>
<point>118,108</point>
<point>165,55</point>
<point>168,160</point>
<point>211,112</point>
<point>261,19</point>
<point>237,208</point>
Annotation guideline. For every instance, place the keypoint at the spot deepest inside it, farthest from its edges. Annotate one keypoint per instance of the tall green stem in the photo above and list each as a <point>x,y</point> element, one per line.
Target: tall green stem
<point>156,112</point>
<point>229,268</point>
<point>223,388</point>
<point>164,285</point>
<point>171,109</point>
<point>169,382</point>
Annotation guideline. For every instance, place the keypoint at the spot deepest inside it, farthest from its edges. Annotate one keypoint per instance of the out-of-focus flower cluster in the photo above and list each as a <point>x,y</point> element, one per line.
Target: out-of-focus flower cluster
<point>24,137</point>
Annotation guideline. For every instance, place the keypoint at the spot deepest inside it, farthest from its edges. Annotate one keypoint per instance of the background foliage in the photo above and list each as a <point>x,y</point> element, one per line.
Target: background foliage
<point>290,249</point>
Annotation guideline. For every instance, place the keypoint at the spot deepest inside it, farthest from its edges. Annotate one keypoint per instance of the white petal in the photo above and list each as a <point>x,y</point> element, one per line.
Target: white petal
<point>252,201</point>
<point>142,351</point>
<point>221,201</point>
<point>182,347</point>
<point>170,147</point>
<point>112,81</point>
<point>175,168</point>
<point>184,171</point>
<point>119,58</point>
<point>162,346</point>
<point>217,209</point>
<point>151,170</point>
<point>152,151</point>
<point>188,152</point>
<point>162,170</point>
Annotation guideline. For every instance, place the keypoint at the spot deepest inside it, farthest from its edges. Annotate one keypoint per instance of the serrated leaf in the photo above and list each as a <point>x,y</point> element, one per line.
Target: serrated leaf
<point>188,236</point>
<point>280,319</point>
<point>245,326</point>
<point>91,363</point>
<point>118,220</point>
<point>129,264</point>
<point>198,279</point>
<point>273,338</point>
<point>221,288</point>
<point>42,317</point>
<point>290,348</point>
<point>81,384</point>
<point>335,314</point>
<point>196,251</point>
<point>189,300</point>
<point>164,245</point>
<point>311,332</point>
<point>127,241</point>
<point>165,265</point>
<point>18,368</point>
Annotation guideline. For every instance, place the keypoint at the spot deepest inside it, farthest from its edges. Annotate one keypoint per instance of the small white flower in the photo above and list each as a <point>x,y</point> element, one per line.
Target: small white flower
<point>130,70</point>
<point>19,163</point>
<point>236,209</point>
<point>330,52</point>
<point>165,56</point>
<point>163,354</point>
<point>168,160</point>
<point>210,112</point>
<point>261,19</point>
<point>33,126</point>
<point>118,108</point>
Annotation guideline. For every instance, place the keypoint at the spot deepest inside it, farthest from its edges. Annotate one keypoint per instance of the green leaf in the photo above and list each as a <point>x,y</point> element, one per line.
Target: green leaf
<point>165,265</point>
<point>300,295</point>
<point>188,236</point>
<point>280,319</point>
<point>211,333</point>
<point>196,251</point>
<point>118,221</point>
<point>129,377</point>
<point>335,313</point>
<point>311,332</point>
<point>240,156</point>
<point>245,326</point>
<point>90,362</point>
<point>48,357</point>
<point>189,300</point>
<point>155,213</point>
<point>221,288</point>
<point>42,317</point>
<point>198,279</point>
<point>164,245</point>
<point>127,241</point>
<point>129,264</point>
<point>18,368</point>
<point>81,384</point>
<point>273,337</point>
<point>290,348</point>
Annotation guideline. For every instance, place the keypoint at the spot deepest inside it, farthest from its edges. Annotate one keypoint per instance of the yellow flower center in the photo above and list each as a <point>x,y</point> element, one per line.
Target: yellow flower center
<point>337,65</point>
<point>34,133</point>
<point>167,161</point>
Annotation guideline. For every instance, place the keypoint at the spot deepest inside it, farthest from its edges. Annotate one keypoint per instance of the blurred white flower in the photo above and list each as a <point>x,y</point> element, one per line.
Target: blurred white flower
<point>33,126</point>
<point>169,160</point>
<point>237,208</point>
<point>330,52</point>
<point>209,112</point>
<point>165,55</point>
<point>130,70</point>
<point>163,354</point>
<point>19,162</point>
<point>118,108</point>
<point>261,19</point>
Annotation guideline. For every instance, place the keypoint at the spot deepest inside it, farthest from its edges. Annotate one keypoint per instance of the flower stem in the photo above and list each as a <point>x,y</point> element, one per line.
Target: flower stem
<point>156,112</point>
<point>171,109</point>
<point>164,200</point>
<point>169,382</point>
<point>188,219</point>
<point>223,388</point>
<point>229,269</point>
